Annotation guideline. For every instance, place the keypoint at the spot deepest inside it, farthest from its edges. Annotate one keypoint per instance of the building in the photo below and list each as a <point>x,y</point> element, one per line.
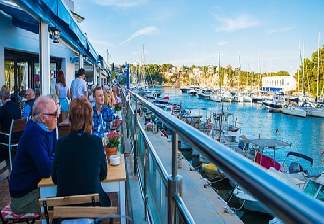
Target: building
<point>37,40</point>
<point>278,83</point>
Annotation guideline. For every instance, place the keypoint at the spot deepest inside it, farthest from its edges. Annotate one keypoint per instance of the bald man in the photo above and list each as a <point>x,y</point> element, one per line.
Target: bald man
<point>30,99</point>
<point>34,156</point>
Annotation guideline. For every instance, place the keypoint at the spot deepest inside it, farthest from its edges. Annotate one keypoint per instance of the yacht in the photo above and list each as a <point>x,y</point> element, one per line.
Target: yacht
<point>313,110</point>
<point>293,110</point>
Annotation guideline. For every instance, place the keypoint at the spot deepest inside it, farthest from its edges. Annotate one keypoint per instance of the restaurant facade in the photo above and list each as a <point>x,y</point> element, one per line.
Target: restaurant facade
<point>30,56</point>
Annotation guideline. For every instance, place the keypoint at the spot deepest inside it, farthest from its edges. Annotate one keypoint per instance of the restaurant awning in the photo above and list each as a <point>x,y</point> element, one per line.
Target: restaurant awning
<point>58,17</point>
<point>20,18</point>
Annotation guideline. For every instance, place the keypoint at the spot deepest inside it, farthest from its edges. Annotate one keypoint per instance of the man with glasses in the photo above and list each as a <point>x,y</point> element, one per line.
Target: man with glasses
<point>30,99</point>
<point>34,156</point>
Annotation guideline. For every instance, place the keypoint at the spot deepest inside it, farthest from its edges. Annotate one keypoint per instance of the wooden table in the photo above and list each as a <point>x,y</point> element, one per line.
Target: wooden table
<point>114,182</point>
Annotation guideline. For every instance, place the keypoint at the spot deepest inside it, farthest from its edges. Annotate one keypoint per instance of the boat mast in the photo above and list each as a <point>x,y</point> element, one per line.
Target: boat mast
<point>303,72</point>
<point>219,73</point>
<point>318,66</point>
<point>239,58</point>
<point>143,64</point>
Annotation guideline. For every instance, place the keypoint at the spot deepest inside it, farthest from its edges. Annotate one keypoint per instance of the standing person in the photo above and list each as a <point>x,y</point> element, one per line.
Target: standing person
<point>62,93</point>
<point>80,153</point>
<point>79,86</point>
<point>30,99</point>
<point>35,156</point>
<point>102,114</point>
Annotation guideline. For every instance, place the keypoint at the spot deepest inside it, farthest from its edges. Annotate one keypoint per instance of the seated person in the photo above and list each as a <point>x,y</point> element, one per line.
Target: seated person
<point>34,156</point>
<point>8,112</point>
<point>102,114</point>
<point>80,163</point>
<point>30,99</point>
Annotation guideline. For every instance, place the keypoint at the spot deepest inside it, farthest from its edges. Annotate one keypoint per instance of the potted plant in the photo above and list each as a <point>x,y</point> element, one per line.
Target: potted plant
<point>118,108</point>
<point>111,141</point>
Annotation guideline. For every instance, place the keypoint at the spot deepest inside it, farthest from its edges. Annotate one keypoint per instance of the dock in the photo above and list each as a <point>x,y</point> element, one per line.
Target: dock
<point>204,204</point>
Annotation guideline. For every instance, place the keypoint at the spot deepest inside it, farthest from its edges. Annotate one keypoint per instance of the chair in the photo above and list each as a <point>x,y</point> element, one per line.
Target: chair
<point>16,127</point>
<point>6,214</point>
<point>65,207</point>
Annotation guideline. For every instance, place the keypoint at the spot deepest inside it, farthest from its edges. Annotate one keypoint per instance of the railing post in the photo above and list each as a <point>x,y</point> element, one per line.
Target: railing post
<point>135,138</point>
<point>172,182</point>
<point>174,154</point>
<point>146,165</point>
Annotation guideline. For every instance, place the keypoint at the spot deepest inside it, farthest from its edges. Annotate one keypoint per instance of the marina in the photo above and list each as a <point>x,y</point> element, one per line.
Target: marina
<point>156,112</point>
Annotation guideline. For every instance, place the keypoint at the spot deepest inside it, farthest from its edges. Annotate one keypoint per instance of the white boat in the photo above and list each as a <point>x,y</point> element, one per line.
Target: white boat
<point>290,171</point>
<point>226,97</point>
<point>312,110</point>
<point>316,112</point>
<point>247,99</point>
<point>314,188</point>
<point>215,97</point>
<point>293,110</point>
<point>192,92</point>
<point>252,204</point>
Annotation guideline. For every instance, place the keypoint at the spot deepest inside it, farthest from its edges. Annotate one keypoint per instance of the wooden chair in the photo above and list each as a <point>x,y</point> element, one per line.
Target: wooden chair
<point>16,127</point>
<point>62,207</point>
<point>6,214</point>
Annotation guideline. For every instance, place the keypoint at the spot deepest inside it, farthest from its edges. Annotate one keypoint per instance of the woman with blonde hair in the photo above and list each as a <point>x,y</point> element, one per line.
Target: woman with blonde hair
<point>80,152</point>
<point>109,97</point>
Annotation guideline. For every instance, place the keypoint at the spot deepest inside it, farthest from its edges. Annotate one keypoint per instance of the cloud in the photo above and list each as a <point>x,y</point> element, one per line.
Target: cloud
<point>240,22</point>
<point>280,30</point>
<point>146,31</point>
<point>222,43</point>
<point>120,3</point>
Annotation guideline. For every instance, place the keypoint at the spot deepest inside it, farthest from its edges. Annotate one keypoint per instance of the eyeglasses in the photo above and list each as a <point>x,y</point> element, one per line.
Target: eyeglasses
<point>55,114</point>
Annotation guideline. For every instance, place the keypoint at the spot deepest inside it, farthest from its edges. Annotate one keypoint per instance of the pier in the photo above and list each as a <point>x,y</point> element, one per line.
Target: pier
<point>202,201</point>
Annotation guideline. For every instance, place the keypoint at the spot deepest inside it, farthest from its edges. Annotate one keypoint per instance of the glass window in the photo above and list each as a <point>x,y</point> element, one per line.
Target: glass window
<point>10,74</point>
<point>22,75</point>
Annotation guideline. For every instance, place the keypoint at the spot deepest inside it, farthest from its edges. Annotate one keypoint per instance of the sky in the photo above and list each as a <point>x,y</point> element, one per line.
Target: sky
<point>258,35</point>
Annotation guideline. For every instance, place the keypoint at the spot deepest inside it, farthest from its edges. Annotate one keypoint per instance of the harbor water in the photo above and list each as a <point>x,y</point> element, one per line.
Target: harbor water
<point>306,135</point>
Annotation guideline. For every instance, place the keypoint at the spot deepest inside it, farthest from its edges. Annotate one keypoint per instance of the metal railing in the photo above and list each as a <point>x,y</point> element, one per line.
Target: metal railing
<point>285,202</point>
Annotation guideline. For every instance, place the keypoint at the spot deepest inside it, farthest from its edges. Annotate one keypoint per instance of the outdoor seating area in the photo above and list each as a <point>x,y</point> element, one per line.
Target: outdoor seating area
<point>105,125</point>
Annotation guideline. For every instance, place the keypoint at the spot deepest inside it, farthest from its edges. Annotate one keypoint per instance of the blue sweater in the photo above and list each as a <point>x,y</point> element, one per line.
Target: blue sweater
<point>33,160</point>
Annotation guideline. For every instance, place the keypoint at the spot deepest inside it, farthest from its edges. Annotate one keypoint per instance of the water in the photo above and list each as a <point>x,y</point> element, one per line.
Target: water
<point>306,135</point>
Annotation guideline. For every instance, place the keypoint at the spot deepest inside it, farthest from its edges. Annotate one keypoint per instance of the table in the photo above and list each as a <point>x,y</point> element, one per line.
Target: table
<point>114,182</point>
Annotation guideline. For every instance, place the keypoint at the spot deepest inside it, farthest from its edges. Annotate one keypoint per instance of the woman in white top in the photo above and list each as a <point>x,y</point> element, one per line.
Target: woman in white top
<point>62,92</point>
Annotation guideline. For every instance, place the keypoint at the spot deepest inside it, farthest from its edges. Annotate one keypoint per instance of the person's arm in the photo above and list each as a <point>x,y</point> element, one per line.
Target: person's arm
<point>37,150</point>
<point>68,94</point>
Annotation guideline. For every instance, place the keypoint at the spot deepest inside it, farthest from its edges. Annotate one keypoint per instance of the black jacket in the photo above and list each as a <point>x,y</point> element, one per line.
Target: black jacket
<point>9,111</point>
<point>80,165</point>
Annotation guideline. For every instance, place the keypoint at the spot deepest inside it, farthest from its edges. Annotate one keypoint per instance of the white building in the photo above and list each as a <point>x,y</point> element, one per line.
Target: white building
<point>31,52</point>
<point>278,83</point>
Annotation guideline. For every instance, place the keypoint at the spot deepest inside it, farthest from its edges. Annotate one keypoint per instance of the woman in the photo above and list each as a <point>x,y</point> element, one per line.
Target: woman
<point>62,93</point>
<point>80,163</point>
<point>109,97</point>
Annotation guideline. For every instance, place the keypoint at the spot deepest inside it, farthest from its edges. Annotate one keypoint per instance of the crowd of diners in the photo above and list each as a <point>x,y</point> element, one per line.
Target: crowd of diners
<point>77,161</point>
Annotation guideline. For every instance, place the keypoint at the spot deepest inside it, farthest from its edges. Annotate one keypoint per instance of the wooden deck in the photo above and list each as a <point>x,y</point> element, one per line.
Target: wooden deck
<point>204,204</point>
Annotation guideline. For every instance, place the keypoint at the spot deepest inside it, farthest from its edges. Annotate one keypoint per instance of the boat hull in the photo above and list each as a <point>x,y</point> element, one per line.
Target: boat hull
<point>294,112</point>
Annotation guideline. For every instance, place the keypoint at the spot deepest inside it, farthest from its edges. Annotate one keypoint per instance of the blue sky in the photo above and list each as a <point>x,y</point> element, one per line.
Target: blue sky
<point>265,32</point>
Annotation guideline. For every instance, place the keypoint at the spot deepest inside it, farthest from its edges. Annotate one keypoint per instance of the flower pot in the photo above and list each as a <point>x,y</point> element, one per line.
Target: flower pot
<point>111,151</point>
